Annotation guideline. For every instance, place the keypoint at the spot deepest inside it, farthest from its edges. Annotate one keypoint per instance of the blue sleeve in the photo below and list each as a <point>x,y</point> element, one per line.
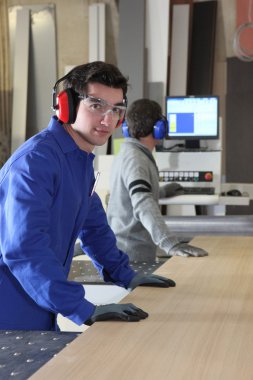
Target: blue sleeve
<point>27,193</point>
<point>99,242</point>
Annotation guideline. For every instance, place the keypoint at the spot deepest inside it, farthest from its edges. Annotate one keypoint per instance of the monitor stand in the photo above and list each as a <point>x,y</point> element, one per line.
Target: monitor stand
<point>192,144</point>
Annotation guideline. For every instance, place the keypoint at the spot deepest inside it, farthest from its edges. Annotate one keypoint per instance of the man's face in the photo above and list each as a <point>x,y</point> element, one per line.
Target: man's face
<point>96,117</point>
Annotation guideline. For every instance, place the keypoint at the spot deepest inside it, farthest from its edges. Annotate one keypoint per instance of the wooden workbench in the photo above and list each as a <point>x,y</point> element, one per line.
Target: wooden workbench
<point>200,330</point>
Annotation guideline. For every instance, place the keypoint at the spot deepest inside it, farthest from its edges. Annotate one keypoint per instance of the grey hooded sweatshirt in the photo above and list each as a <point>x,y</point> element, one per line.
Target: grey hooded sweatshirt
<point>133,210</point>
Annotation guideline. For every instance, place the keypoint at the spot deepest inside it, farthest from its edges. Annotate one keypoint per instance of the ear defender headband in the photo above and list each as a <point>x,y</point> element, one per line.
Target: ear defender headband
<point>159,129</point>
<point>65,103</point>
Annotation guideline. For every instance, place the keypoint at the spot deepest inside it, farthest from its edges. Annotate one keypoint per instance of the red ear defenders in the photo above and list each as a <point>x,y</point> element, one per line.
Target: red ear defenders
<point>120,122</point>
<point>65,103</point>
<point>159,129</point>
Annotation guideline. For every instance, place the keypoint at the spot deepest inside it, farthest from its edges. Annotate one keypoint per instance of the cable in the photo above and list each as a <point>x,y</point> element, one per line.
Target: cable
<point>242,53</point>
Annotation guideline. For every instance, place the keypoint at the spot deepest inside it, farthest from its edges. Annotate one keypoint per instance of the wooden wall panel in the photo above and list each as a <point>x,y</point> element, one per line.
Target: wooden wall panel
<point>179,49</point>
<point>200,80</point>
<point>239,128</point>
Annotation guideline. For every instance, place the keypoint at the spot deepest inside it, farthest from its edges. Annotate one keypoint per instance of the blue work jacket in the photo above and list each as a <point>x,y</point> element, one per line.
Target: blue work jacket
<point>45,205</point>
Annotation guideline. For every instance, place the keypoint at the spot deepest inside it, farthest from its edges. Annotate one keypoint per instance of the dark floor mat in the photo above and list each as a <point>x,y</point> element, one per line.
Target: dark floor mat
<point>22,353</point>
<point>83,271</point>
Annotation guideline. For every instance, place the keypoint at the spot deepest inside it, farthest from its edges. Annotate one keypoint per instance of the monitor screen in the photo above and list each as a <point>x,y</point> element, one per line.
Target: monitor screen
<point>192,118</point>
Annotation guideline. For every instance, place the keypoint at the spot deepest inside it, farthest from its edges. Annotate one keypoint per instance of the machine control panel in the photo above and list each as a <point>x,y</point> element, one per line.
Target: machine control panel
<point>185,176</point>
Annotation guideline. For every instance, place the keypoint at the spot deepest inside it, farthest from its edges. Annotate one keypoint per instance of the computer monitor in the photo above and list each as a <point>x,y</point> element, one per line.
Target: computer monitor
<point>192,118</point>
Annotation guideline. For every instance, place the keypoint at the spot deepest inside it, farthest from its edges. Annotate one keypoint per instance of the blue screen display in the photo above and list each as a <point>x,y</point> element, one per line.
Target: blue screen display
<point>192,117</point>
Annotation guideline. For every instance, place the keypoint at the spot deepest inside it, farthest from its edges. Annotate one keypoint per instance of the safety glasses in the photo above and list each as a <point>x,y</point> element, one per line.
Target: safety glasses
<point>101,108</point>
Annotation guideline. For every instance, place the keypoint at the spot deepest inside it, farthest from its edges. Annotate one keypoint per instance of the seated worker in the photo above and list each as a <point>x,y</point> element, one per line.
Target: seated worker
<point>133,211</point>
<point>47,201</point>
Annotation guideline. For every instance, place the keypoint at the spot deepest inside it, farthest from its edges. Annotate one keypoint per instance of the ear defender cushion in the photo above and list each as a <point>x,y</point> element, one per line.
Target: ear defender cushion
<point>66,104</point>
<point>125,129</point>
<point>159,130</point>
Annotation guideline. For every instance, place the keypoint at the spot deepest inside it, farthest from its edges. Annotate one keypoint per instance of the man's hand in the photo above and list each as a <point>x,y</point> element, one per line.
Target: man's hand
<point>124,312</point>
<point>185,250</point>
<point>150,280</point>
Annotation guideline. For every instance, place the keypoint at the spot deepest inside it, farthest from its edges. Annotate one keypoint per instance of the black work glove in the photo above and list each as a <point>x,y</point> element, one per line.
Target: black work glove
<point>184,249</point>
<point>172,189</point>
<point>124,312</point>
<point>150,280</point>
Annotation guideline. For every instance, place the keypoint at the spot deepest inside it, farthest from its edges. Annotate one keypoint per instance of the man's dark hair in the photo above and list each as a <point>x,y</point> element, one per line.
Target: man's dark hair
<point>95,72</point>
<point>141,117</point>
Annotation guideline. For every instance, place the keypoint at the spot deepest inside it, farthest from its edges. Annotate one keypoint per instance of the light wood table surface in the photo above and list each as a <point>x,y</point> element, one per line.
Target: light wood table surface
<point>200,330</point>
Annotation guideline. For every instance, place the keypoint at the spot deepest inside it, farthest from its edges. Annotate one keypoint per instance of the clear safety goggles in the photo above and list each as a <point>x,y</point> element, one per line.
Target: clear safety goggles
<point>101,108</point>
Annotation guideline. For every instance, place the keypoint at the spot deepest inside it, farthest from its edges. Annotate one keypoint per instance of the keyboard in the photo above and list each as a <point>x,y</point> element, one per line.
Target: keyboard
<point>191,150</point>
<point>198,190</point>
